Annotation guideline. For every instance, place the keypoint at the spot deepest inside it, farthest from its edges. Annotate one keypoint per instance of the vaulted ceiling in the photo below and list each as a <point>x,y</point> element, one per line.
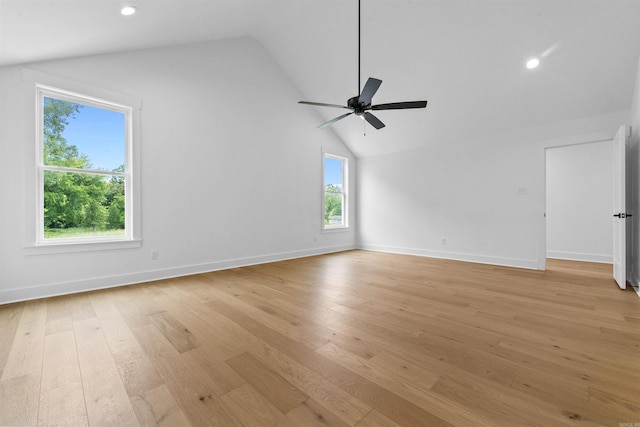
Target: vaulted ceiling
<point>465,56</point>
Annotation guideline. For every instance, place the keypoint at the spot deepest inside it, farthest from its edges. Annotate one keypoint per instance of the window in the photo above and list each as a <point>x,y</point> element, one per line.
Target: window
<point>84,169</point>
<point>335,192</point>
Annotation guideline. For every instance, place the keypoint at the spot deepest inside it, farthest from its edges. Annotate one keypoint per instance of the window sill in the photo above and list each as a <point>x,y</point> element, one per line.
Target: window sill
<point>83,246</point>
<point>341,229</point>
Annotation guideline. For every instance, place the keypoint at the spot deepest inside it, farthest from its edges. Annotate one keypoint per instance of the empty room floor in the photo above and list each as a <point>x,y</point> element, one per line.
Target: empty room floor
<point>354,338</point>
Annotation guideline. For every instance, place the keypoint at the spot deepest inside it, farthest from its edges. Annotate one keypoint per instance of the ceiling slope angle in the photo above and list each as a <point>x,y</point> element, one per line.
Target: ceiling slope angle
<point>470,59</point>
<point>467,57</point>
<point>84,28</point>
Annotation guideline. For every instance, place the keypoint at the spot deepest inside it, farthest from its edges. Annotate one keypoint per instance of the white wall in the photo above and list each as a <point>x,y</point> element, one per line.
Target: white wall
<point>485,196</point>
<point>579,188</point>
<point>230,169</point>
<point>633,189</point>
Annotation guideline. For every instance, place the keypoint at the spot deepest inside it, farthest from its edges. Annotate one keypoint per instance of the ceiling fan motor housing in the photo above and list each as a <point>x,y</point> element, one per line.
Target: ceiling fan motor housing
<point>354,103</point>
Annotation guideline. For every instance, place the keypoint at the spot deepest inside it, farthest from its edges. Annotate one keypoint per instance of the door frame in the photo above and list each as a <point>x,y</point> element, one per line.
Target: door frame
<point>559,143</point>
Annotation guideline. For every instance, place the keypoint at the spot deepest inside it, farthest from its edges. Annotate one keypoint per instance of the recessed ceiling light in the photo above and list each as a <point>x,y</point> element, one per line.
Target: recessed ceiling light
<point>128,10</point>
<point>533,63</point>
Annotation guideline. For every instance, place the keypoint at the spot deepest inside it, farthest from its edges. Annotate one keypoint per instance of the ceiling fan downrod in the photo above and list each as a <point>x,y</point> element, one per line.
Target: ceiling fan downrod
<point>360,105</point>
<point>359,47</point>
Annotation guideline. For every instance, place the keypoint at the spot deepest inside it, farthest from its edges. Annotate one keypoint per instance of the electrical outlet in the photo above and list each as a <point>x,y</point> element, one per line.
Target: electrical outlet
<point>443,241</point>
<point>154,254</point>
<point>522,191</point>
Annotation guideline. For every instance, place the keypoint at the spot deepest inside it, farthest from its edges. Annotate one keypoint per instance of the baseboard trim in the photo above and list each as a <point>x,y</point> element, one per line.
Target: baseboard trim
<point>105,282</point>
<point>456,256</point>
<point>575,256</point>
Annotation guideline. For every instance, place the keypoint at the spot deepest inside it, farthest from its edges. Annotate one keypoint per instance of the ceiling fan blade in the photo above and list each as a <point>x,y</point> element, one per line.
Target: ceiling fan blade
<point>400,105</point>
<point>370,88</point>
<point>330,122</point>
<point>321,104</point>
<point>373,120</point>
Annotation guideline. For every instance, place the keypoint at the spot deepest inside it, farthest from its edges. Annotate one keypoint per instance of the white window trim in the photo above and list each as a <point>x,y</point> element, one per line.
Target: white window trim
<point>345,195</point>
<point>37,85</point>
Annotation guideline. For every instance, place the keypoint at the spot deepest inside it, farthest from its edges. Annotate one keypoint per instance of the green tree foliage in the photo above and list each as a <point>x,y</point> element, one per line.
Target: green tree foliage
<point>56,116</point>
<point>114,200</point>
<point>332,203</point>
<point>115,218</point>
<point>73,200</point>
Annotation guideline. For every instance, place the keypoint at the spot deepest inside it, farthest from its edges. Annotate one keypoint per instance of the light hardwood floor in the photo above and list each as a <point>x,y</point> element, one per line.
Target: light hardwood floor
<point>355,338</point>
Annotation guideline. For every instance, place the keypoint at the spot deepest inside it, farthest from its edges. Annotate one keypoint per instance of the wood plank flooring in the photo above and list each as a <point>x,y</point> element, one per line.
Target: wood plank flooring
<point>355,338</point>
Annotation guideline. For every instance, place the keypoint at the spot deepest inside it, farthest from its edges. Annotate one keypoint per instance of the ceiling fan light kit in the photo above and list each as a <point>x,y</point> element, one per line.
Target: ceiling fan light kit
<point>361,104</point>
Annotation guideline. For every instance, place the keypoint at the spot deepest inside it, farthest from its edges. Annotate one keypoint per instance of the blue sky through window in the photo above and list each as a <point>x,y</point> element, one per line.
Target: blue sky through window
<point>332,172</point>
<point>99,134</point>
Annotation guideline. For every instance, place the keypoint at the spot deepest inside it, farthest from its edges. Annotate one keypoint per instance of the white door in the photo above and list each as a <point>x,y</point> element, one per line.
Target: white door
<point>619,208</point>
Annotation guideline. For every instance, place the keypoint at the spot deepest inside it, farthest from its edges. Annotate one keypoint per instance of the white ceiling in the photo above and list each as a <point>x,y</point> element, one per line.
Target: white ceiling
<point>465,56</point>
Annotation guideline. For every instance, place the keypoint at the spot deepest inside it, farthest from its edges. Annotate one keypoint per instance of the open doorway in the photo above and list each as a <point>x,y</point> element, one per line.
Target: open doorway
<point>579,197</point>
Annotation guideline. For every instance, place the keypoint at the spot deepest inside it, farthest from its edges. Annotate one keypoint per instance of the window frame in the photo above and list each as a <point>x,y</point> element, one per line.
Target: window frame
<point>42,92</point>
<point>345,192</point>
<point>36,86</point>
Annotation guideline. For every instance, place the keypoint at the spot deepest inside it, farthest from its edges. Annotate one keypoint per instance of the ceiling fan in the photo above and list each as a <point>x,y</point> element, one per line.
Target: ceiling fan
<point>361,104</point>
